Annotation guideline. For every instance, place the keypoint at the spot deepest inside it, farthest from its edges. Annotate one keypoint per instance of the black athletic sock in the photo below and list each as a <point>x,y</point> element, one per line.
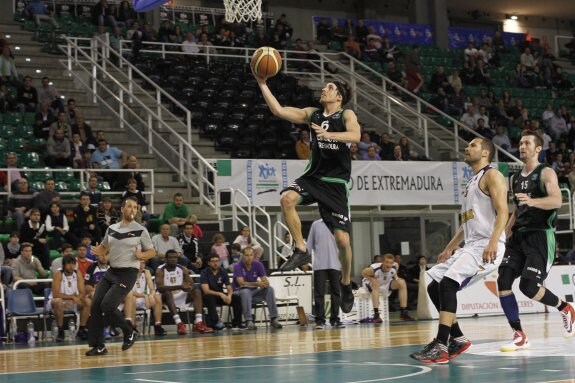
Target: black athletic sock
<point>515,325</point>
<point>455,331</point>
<point>443,334</point>
<point>562,306</point>
<point>376,310</point>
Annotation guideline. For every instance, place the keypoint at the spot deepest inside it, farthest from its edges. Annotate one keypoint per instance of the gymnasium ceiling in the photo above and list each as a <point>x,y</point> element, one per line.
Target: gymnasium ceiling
<point>563,9</point>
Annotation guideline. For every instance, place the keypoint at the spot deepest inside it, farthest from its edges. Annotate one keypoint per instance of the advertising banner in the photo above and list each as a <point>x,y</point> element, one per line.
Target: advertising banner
<point>459,37</point>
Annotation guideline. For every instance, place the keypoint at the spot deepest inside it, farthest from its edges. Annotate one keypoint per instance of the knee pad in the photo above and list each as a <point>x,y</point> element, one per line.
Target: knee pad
<point>528,287</point>
<point>448,292</point>
<point>505,279</point>
<point>433,292</point>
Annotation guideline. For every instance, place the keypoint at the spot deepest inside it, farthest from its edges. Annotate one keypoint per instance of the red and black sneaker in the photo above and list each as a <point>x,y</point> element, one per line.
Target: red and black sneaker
<point>434,352</point>
<point>458,346</point>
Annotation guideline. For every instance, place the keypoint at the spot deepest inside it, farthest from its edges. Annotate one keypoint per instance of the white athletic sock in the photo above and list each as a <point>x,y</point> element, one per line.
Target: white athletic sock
<point>198,318</point>
<point>177,319</point>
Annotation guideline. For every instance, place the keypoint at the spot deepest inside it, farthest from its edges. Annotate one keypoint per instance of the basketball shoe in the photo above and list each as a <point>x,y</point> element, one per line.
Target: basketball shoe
<point>297,259</point>
<point>182,330</point>
<point>458,346</point>
<point>519,342</point>
<point>568,315</point>
<point>434,352</point>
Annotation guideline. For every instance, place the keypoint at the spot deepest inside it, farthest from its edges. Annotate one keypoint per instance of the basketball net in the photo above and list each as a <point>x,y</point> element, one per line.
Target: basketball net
<point>238,11</point>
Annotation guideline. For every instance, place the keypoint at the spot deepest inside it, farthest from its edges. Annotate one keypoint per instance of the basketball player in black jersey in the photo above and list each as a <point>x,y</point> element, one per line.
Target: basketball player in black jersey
<point>530,248</point>
<point>326,176</point>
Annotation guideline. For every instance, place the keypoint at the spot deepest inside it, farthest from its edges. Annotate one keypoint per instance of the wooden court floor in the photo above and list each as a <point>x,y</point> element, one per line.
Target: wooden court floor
<point>356,354</point>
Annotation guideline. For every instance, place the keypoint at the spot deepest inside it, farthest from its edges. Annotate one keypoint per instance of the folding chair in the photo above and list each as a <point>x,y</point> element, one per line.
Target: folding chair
<point>50,313</point>
<point>21,305</point>
<point>282,296</point>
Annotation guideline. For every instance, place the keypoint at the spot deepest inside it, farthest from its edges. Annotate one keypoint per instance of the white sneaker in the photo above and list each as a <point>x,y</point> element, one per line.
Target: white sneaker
<point>568,315</point>
<point>519,342</point>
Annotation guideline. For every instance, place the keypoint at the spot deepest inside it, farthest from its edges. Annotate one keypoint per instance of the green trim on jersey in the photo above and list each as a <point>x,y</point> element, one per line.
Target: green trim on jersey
<point>336,180</point>
<point>551,247</point>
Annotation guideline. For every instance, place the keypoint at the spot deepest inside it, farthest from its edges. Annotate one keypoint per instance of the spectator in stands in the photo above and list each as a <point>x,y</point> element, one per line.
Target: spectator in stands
<point>44,119</point>
<point>108,157</point>
<point>323,31</point>
<point>11,248</point>
<point>482,75</point>
<point>220,250</point>
<point>501,139</point>
<point>8,72</point>
<point>102,14</point>
<point>164,242</point>
<point>285,24</point>
<point>455,81</point>
<point>361,32</point>
<point>84,130</point>
<point>438,80</point>
<point>126,13</point>
<point>34,231</point>
<point>6,270</point>
<point>527,60</point>
<point>413,66</point>
<point>123,177</point>
<point>371,154</point>
<point>71,110</point>
<point>38,11</point>
<point>13,175</point>
<point>93,191</point>
<point>197,231</point>
<point>132,191</point>
<point>6,99</point>
<point>405,148</point>
<point>204,44</point>
<point>396,75</point>
<point>20,202</point>
<point>386,151</point>
<point>166,30</point>
<point>25,267</point>
<point>354,151</point>
<point>59,151</point>
<point>371,52</point>
<point>189,45</point>
<point>259,39</point>
<point>49,94</point>
<point>27,97</point>
<point>56,224</point>
<point>468,118</point>
<point>483,130</point>
<point>397,154</point>
<point>365,143</point>
<point>107,215</point>
<point>302,145</point>
<point>68,293</point>
<point>245,239</point>
<point>189,243</point>
<point>481,114</point>
<point>85,219</point>
<point>351,47</point>
<point>213,279</point>
<point>176,213</point>
<point>518,78</point>
<point>61,123</point>
<point>43,199</point>
<point>441,101</point>
<point>470,54</point>
<point>178,290</point>
<point>558,126</point>
<point>77,149</point>
<point>252,285</point>
<point>144,297</point>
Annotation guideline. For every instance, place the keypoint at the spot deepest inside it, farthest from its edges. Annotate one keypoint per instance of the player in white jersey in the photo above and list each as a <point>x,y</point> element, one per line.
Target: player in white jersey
<point>381,278</point>
<point>178,290</point>
<point>484,214</point>
<point>68,294</point>
<point>143,297</point>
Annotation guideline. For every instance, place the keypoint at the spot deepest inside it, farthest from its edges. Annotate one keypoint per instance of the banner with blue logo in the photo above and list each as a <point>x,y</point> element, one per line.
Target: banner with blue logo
<point>398,33</point>
<point>459,37</point>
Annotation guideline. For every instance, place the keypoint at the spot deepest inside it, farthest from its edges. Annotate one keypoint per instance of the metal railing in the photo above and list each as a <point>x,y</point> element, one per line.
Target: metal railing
<point>143,114</point>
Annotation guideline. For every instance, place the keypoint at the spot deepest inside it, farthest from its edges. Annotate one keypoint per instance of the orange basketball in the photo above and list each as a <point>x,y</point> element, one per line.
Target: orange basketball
<point>266,62</point>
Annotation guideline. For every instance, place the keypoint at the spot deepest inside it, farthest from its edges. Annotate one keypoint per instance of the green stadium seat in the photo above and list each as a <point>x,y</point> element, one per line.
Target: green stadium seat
<point>30,160</point>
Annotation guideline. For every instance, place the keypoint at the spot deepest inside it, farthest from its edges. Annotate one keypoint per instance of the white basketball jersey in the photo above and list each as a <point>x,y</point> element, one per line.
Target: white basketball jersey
<point>477,212</point>
<point>141,286</point>
<point>173,278</point>
<point>69,284</point>
<point>385,277</point>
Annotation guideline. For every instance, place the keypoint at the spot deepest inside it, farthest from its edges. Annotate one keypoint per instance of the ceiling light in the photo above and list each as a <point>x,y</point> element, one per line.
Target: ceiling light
<point>513,17</point>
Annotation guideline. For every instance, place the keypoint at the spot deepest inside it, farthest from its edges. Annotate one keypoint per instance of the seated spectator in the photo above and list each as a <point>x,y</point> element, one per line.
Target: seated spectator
<point>44,119</point>
<point>455,81</point>
<point>8,72</point>
<point>84,130</point>
<point>483,130</point>
<point>77,149</point>
<point>6,271</point>
<point>361,32</point>
<point>204,44</point>
<point>176,213</point>
<point>56,224</point>
<point>48,93</point>
<point>351,47</point>
<point>386,152</point>
<point>189,45</point>
<point>501,139</point>
<point>85,219</point>
<point>20,202</point>
<point>371,154</point>
<point>38,11</point>
<point>236,254</point>
<point>123,177</point>
<point>27,97</point>
<point>220,250</point>
<point>164,242</point>
<point>144,297</point>
<point>405,148</point>
<point>470,53</point>
<point>178,291</point>
<point>44,198</point>
<point>59,152</point>
<point>106,215</point>
<point>397,153</point>
<point>396,75</point>
<point>354,151</point>
<point>302,145</point>
<point>197,231</point>
<point>102,14</point>
<point>468,118</point>
<point>132,191</point>
<point>438,80</point>
<point>441,101</point>
<point>481,114</point>
<point>25,267</point>
<point>389,51</point>
<point>245,239</point>
<point>93,191</point>
<point>323,31</point>
<point>108,157</point>
<point>518,77</point>
<point>527,60</point>
<point>34,231</point>
<point>61,123</point>
<point>252,285</point>
<point>189,244</point>
<point>11,248</point>
<point>414,78</point>
<point>482,75</point>
<point>126,13</point>
<point>213,279</point>
<point>366,143</point>
<point>381,278</point>
<point>68,294</point>
<point>82,259</point>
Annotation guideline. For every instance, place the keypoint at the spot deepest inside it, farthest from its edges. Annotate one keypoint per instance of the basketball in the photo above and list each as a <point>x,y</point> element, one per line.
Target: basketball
<point>266,62</point>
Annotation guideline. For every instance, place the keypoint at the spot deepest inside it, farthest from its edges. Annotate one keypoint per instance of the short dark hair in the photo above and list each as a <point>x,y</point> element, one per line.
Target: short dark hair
<point>344,90</point>
<point>68,259</point>
<point>170,252</point>
<point>129,199</point>
<point>490,147</point>
<point>66,246</point>
<point>536,137</point>
<point>236,247</point>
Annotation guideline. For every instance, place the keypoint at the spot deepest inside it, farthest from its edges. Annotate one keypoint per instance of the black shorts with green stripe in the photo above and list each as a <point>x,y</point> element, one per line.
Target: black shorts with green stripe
<point>332,197</point>
<point>530,254</point>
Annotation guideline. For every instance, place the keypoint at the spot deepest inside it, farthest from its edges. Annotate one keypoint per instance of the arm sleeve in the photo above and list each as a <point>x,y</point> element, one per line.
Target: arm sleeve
<point>146,241</point>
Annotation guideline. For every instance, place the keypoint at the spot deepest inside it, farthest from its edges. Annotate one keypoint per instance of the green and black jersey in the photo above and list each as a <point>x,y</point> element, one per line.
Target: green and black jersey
<point>531,218</point>
<point>330,160</point>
